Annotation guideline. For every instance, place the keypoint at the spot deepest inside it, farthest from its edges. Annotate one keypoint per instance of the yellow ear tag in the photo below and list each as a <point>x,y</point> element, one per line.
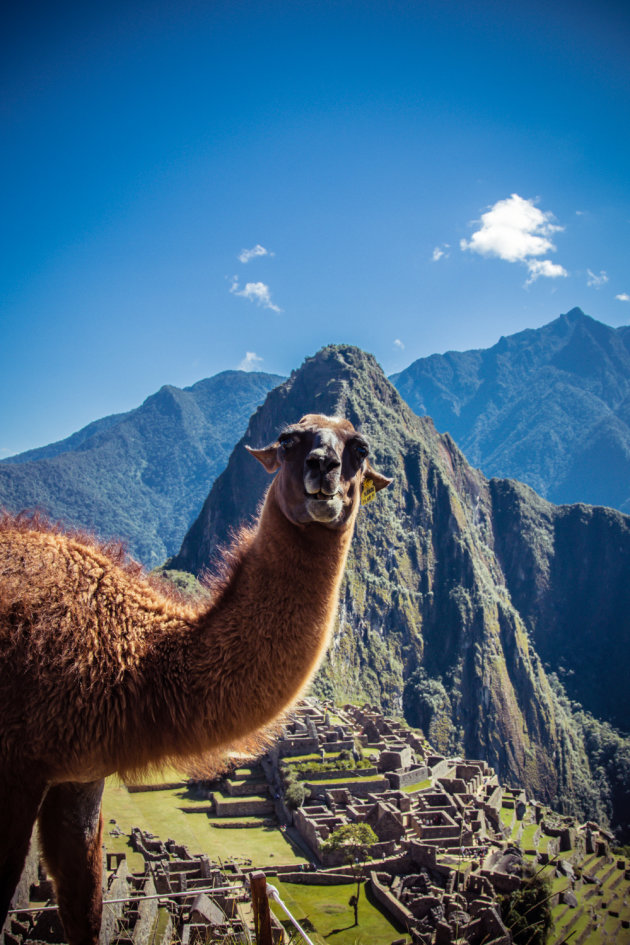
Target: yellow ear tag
<point>368,492</point>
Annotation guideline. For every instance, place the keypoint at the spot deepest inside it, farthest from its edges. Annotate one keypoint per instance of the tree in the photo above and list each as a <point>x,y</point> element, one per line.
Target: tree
<point>355,840</point>
<point>295,794</point>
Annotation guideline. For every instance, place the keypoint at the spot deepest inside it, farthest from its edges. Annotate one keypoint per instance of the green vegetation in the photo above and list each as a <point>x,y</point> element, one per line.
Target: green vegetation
<point>527,837</point>
<point>417,786</point>
<point>323,912</point>
<point>295,795</point>
<point>292,759</point>
<point>354,840</point>
<point>527,911</point>
<point>428,706</point>
<point>187,584</point>
<point>306,769</point>
<point>142,476</point>
<point>173,813</point>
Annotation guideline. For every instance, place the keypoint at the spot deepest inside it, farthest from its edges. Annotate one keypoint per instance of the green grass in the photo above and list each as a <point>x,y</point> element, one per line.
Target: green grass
<point>326,909</point>
<point>527,837</point>
<point>417,786</point>
<point>598,866</point>
<point>595,938</point>
<point>160,925</point>
<point>161,813</point>
<point>290,759</point>
<point>245,774</point>
<point>560,884</point>
<point>543,843</point>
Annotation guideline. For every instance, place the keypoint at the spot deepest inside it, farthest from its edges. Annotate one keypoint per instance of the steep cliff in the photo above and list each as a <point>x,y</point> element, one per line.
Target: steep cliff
<point>445,594</point>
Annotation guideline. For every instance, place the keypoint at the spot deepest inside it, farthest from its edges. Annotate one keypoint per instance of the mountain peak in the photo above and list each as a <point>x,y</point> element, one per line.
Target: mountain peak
<point>549,406</point>
<point>575,314</point>
<point>426,584</point>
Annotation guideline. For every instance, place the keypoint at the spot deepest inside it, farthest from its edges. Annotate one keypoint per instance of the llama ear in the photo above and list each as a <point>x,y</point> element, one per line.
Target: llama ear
<point>268,456</point>
<point>379,482</point>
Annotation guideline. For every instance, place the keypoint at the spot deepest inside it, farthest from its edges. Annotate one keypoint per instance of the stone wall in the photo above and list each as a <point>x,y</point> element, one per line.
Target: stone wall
<point>298,745</point>
<point>393,906</point>
<point>359,788</point>
<point>396,757</point>
<point>147,914</point>
<point>402,779</point>
<point>338,774</point>
<point>243,808</point>
<point>117,888</point>
<point>245,788</point>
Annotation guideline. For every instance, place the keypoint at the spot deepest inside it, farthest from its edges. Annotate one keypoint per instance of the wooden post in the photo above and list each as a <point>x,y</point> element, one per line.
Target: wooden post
<point>260,903</point>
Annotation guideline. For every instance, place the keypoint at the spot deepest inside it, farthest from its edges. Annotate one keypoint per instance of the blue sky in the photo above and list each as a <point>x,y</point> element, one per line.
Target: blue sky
<point>407,177</point>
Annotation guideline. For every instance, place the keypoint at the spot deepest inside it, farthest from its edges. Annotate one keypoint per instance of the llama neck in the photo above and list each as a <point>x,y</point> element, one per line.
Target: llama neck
<point>256,649</point>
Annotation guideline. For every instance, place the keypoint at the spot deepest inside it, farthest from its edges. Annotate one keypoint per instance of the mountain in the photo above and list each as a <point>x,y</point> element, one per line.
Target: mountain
<point>467,604</point>
<point>550,407</point>
<point>139,476</point>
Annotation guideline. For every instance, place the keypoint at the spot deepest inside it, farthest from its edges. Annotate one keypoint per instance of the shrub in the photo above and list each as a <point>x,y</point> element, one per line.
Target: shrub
<point>527,912</point>
<point>295,794</point>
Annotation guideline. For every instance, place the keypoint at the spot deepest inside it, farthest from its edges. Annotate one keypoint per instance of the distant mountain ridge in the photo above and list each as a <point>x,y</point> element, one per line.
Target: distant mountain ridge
<point>548,406</point>
<point>474,606</point>
<point>142,475</point>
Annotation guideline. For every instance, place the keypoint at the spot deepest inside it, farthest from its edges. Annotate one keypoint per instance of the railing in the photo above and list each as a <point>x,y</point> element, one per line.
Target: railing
<point>189,893</point>
<point>262,891</point>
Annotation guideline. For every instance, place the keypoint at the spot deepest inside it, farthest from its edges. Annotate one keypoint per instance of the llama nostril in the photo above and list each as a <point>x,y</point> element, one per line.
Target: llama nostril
<point>313,463</point>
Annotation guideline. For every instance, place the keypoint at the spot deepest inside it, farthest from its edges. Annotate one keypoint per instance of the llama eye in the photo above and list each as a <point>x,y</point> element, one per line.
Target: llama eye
<point>361,450</point>
<point>286,442</point>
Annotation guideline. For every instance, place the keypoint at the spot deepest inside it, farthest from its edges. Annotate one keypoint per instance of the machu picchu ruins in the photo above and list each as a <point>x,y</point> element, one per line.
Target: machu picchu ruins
<point>453,845</point>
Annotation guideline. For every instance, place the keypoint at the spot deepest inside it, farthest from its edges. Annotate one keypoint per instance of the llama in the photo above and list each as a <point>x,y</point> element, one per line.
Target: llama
<point>103,672</point>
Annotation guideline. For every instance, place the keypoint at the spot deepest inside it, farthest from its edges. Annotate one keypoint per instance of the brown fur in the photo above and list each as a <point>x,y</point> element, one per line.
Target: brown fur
<point>102,670</point>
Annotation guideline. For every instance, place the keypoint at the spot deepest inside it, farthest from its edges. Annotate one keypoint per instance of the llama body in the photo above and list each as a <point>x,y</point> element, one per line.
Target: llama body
<point>100,671</point>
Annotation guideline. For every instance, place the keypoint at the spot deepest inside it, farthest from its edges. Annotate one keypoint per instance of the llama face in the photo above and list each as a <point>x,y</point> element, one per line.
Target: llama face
<point>323,462</point>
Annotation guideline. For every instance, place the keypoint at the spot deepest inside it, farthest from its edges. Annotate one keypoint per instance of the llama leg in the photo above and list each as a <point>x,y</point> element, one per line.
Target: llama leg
<point>19,803</point>
<point>71,831</point>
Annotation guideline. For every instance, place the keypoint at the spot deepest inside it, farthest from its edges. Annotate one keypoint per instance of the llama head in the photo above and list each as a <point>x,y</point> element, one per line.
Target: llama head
<point>323,465</point>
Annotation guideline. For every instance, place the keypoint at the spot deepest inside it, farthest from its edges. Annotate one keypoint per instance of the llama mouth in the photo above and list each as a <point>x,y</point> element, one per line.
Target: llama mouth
<point>321,496</point>
<point>324,508</point>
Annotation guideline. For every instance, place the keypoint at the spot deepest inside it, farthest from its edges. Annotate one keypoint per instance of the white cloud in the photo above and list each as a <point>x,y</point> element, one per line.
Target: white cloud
<point>594,281</point>
<point>256,292</point>
<point>513,229</point>
<point>623,297</point>
<point>250,361</point>
<point>398,344</point>
<point>544,267</point>
<point>440,251</point>
<point>246,254</point>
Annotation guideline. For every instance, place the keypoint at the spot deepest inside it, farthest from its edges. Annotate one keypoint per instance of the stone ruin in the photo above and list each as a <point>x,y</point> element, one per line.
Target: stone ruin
<point>446,828</point>
<point>132,913</point>
<point>450,841</point>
